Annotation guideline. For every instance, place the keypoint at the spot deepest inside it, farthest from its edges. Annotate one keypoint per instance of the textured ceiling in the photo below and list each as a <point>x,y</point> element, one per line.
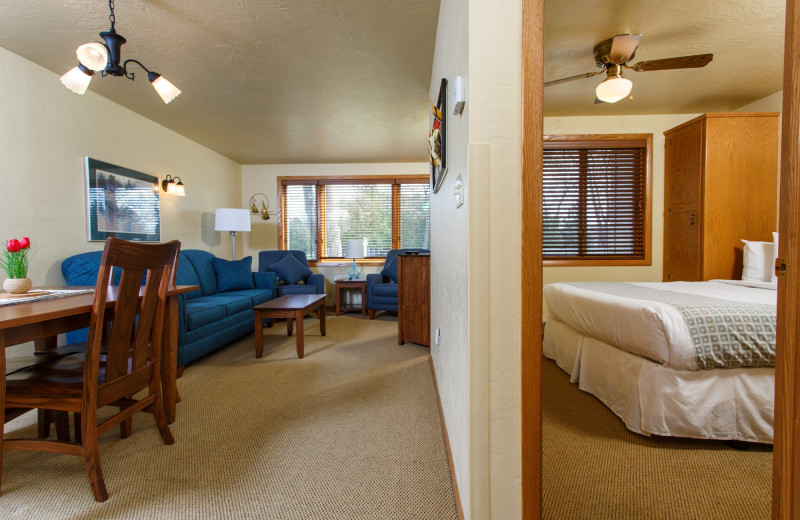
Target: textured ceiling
<point>746,38</point>
<point>263,81</point>
<point>305,81</point>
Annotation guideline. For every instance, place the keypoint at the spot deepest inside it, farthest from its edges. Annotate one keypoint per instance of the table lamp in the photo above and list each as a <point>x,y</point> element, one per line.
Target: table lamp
<point>233,220</point>
<point>354,249</point>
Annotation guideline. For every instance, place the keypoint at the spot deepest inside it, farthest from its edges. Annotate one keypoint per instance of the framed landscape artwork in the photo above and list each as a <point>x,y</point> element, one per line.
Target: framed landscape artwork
<point>121,203</point>
<point>437,140</point>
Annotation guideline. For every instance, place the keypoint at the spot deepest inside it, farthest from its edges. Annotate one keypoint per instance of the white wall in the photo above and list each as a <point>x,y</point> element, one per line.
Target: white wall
<point>263,178</point>
<point>45,132</point>
<point>450,243</point>
<point>651,124</point>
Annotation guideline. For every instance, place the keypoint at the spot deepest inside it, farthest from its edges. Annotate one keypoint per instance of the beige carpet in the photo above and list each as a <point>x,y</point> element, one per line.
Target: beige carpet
<point>595,468</point>
<point>351,431</point>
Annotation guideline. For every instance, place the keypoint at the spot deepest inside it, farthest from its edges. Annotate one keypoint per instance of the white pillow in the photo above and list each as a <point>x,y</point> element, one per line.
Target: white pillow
<point>774,256</point>
<point>758,257</point>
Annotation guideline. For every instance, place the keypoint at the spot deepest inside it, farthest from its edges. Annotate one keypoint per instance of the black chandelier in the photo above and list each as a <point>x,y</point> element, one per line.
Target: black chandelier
<point>105,59</point>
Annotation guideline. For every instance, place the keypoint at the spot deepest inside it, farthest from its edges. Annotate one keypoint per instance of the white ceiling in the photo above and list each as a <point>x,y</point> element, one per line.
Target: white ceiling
<point>325,81</point>
<point>746,38</point>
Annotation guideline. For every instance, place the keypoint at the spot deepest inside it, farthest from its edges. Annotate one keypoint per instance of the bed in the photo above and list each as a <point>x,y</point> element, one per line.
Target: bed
<point>683,359</point>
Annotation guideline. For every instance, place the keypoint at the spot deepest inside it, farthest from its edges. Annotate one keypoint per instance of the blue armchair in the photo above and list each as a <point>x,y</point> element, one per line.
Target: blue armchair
<point>300,278</point>
<point>382,287</point>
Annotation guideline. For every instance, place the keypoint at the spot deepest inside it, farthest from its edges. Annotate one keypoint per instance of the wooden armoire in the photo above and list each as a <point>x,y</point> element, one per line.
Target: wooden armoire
<point>720,186</point>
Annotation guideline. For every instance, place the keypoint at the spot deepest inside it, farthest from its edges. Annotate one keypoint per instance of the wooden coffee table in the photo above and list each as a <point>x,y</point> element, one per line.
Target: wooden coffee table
<point>292,307</point>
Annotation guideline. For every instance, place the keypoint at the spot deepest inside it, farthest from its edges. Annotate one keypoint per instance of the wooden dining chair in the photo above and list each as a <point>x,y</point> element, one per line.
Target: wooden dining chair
<point>83,382</point>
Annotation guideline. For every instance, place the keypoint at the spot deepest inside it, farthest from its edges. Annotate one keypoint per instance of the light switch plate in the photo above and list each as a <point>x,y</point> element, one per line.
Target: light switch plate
<point>459,192</point>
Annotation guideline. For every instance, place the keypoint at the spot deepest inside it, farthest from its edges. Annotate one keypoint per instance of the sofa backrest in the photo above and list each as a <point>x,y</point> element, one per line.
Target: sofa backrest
<point>82,269</point>
<point>203,263</point>
<point>267,258</point>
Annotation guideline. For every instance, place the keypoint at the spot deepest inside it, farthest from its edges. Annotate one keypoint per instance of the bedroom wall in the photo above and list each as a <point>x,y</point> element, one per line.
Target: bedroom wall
<point>45,133</point>
<point>656,125</point>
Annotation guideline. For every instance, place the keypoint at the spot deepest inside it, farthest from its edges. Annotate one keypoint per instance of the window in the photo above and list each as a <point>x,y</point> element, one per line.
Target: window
<point>596,200</point>
<point>319,215</point>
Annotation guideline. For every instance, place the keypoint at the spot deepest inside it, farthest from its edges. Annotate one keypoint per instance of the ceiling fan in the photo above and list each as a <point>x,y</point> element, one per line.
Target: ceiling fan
<point>613,55</point>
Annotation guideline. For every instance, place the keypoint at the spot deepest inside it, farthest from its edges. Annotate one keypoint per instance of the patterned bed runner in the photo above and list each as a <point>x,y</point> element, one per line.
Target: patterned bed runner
<point>726,334</point>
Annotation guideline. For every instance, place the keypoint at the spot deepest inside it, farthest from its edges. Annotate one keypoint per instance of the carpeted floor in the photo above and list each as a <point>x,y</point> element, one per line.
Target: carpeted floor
<point>595,468</point>
<point>351,431</point>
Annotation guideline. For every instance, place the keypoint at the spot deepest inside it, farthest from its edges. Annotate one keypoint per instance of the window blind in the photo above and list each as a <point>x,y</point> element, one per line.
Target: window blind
<point>319,215</point>
<point>594,201</point>
<point>415,215</point>
<point>299,218</point>
<point>362,211</point>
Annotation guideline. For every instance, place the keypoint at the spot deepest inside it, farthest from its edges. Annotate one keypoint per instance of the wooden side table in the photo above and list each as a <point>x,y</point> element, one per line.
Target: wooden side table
<point>343,285</point>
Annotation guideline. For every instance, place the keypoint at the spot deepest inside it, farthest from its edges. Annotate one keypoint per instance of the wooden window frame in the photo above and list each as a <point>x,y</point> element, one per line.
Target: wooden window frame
<point>617,141</point>
<point>395,180</point>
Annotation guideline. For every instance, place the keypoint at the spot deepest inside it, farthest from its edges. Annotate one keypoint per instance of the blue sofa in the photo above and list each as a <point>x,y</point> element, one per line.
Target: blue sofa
<point>207,319</point>
<point>382,289</point>
<point>312,283</point>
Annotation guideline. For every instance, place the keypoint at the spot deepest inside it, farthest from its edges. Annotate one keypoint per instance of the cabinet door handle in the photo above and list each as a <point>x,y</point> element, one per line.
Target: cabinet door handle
<point>691,219</point>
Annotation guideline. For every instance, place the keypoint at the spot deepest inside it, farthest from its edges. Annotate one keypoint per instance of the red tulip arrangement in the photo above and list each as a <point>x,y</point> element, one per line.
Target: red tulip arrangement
<point>15,257</point>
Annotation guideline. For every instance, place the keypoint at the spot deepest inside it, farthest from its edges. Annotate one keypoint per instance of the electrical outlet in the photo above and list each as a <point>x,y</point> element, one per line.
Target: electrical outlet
<point>436,336</point>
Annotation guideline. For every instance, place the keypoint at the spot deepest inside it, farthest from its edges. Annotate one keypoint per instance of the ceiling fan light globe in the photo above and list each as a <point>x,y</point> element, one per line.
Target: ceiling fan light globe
<point>93,56</point>
<point>614,89</point>
<point>76,80</point>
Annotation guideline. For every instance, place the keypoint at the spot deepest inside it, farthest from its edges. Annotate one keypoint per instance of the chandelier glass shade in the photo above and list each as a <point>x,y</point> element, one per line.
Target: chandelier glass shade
<point>613,88</point>
<point>105,58</point>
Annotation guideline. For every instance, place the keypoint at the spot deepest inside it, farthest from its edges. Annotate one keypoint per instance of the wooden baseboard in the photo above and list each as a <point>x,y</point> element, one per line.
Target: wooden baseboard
<point>459,509</point>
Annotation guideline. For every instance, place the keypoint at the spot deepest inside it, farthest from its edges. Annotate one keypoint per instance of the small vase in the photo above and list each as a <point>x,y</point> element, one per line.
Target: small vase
<point>17,285</point>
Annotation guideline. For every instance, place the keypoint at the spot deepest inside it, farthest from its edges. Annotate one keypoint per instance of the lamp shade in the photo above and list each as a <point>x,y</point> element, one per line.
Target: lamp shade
<point>77,80</point>
<point>232,219</point>
<point>613,89</point>
<point>354,248</point>
<point>93,56</point>
<point>165,89</point>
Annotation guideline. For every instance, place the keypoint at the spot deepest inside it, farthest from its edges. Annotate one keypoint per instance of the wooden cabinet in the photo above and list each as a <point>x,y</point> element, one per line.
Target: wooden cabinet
<point>720,186</point>
<point>414,299</point>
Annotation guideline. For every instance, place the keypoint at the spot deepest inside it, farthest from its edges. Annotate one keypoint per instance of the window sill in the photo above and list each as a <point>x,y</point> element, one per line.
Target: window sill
<point>344,263</point>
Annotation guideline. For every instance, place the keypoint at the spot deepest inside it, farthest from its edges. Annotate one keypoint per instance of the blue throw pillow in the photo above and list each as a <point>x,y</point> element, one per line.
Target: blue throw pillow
<point>290,269</point>
<point>390,270</point>
<point>234,275</point>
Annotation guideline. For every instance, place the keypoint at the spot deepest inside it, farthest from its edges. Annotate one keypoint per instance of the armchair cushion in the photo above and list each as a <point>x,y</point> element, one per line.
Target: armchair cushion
<point>290,270</point>
<point>234,275</point>
<point>390,269</point>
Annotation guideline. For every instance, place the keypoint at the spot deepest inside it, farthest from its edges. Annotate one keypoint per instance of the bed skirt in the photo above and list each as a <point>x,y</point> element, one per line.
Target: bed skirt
<point>651,399</point>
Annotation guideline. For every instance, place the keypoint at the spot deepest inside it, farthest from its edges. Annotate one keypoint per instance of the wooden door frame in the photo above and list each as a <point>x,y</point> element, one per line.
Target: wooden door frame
<point>786,457</point>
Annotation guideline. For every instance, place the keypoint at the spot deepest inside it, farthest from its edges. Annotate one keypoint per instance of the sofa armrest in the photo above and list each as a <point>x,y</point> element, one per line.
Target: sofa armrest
<point>266,280</point>
<point>373,279</point>
<point>318,281</point>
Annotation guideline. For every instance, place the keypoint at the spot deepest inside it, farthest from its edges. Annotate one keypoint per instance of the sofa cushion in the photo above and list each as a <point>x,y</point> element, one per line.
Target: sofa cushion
<point>234,275</point>
<point>290,269</point>
<point>296,289</point>
<point>390,269</point>
<point>260,296</point>
<point>203,311</point>
<point>234,302</point>
<point>186,275</point>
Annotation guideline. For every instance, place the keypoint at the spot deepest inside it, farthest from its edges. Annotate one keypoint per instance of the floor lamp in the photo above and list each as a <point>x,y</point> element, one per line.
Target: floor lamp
<point>233,220</point>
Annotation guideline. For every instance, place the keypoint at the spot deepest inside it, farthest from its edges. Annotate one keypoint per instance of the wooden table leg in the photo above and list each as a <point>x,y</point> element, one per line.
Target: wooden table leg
<point>364,300</point>
<point>289,322</point>
<point>338,299</point>
<point>321,315</point>
<point>259,326</point>
<point>300,346</point>
<point>169,359</point>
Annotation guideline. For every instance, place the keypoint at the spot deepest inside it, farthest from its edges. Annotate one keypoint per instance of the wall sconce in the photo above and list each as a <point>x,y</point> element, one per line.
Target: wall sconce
<point>264,201</point>
<point>173,186</point>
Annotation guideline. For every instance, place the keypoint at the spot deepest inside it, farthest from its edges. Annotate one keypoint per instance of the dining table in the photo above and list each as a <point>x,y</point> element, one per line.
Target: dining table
<point>41,321</point>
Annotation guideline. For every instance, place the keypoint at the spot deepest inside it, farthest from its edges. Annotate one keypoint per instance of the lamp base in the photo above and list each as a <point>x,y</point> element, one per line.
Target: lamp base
<point>354,273</point>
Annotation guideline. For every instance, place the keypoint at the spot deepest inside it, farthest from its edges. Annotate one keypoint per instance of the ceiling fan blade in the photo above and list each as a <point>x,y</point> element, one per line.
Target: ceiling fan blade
<point>681,62</point>
<point>623,47</point>
<point>572,78</point>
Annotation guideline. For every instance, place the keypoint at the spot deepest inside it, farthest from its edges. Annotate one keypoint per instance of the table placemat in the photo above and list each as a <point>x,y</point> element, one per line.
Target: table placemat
<point>34,296</point>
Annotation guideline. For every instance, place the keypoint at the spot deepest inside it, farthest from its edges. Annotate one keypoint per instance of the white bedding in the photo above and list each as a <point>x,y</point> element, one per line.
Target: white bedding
<point>651,329</point>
